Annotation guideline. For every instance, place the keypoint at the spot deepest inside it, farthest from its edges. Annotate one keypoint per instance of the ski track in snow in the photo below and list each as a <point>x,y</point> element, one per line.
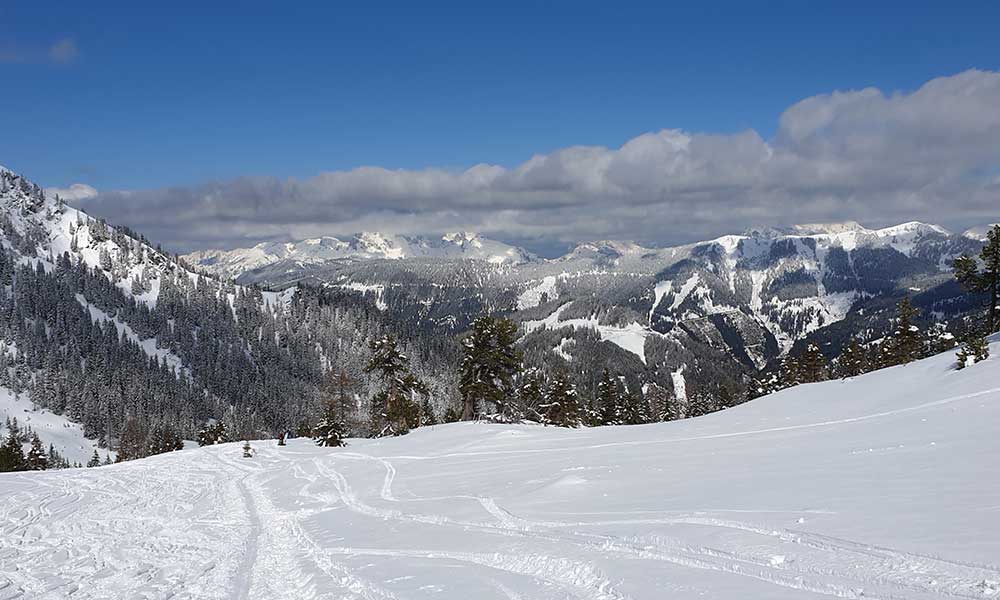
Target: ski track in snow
<point>521,512</point>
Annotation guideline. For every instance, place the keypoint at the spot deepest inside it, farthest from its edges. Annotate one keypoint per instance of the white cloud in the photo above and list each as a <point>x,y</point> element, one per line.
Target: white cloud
<point>930,154</point>
<point>77,191</point>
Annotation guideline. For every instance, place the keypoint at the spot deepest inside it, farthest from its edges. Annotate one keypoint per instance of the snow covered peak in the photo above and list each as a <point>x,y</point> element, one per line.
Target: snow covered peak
<point>828,228</point>
<point>379,245</point>
<point>367,245</point>
<point>978,232</point>
<point>913,227</point>
<point>605,249</point>
<point>461,238</point>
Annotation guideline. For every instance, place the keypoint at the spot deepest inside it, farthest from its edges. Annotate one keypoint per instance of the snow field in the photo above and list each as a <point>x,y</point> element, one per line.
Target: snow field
<point>883,486</point>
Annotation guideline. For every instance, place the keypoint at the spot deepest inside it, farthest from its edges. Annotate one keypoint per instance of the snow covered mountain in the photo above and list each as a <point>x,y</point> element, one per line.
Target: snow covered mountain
<point>114,339</point>
<point>363,246</point>
<point>729,305</point>
<point>978,233</point>
<point>882,486</point>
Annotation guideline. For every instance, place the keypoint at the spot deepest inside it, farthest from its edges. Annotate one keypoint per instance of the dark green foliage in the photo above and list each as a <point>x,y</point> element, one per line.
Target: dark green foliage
<point>561,406</point>
<point>95,460</point>
<point>853,361</point>
<point>608,403</point>
<point>634,410</point>
<point>904,344</point>
<point>983,278</point>
<point>451,415</point>
<point>330,430</point>
<point>490,363</point>
<point>531,393</point>
<point>11,454</point>
<point>974,347</point>
<point>812,365</point>
<point>212,434</point>
<point>36,460</point>
<point>790,372</point>
<point>393,410</point>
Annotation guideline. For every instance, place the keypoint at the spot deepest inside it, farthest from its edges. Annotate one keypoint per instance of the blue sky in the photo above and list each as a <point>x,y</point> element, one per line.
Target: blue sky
<point>204,125</point>
<point>178,93</point>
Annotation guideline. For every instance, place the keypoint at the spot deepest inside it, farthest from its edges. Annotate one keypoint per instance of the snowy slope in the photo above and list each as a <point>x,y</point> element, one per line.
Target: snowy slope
<point>66,436</point>
<point>879,487</point>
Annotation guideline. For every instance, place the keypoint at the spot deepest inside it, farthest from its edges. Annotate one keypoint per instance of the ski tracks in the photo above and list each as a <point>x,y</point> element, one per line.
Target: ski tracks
<point>825,566</point>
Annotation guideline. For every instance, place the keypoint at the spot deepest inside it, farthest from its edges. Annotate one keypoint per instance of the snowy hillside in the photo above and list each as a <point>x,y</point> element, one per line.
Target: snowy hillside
<point>63,435</point>
<point>883,486</point>
<point>362,246</point>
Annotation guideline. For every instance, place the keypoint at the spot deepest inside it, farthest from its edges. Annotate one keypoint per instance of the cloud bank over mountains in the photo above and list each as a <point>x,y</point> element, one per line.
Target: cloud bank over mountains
<point>930,154</point>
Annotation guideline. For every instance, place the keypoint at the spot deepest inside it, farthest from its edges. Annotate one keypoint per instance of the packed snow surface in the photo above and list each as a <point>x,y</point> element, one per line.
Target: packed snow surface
<point>884,486</point>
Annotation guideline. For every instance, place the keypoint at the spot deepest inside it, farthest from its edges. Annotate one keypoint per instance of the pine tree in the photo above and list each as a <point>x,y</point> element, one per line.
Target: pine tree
<point>853,361</point>
<point>95,460</point>
<point>427,416</point>
<point>451,415</point>
<point>609,406</point>
<point>329,431</point>
<point>974,347</point>
<point>489,366</point>
<point>561,405</point>
<point>212,434</point>
<point>531,393</point>
<point>634,410</point>
<point>789,373</point>
<point>938,340</point>
<point>393,410</point>
<point>813,365</point>
<point>11,454</point>
<point>904,345</point>
<point>36,459</point>
<point>984,280</point>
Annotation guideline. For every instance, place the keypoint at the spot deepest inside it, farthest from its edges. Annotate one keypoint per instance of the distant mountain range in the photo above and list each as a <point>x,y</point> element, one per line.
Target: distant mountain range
<point>681,319</point>
<point>361,246</point>
<point>710,310</point>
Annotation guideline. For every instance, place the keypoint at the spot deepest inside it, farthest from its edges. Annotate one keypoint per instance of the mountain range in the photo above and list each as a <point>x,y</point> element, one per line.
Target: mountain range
<point>737,302</point>
<point>102,327</point>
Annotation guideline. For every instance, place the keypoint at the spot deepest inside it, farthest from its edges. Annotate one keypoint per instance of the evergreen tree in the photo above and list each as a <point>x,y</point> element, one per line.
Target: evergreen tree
<point>983,279</point>
<point>212,434</point>
<point>609,406</point>
<point>11,454</point>
<point>531,393</point>
<point>938,340</point>
<point>853,361</point>
<point>813,365</point>
<point>427,413</point>
<point>974,347</point>
<point>451,415</point>
<point>904,344</point>
<point>95,460</point>
<point>36,459</point>
<point>561,406</point>
<point>634,410</point>
<point>789,373</point>
<point>330,429</point>
<point>393,410</point>
<point>488,369</point>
